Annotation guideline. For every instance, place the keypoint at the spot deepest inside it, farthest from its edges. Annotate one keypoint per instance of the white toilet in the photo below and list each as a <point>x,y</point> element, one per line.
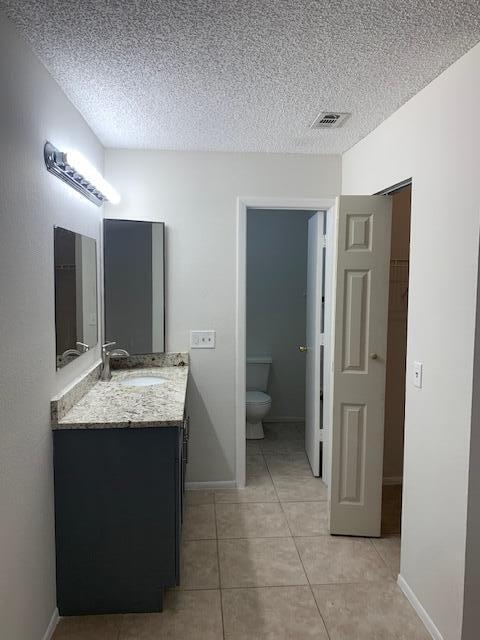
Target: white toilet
<point>258,402</point>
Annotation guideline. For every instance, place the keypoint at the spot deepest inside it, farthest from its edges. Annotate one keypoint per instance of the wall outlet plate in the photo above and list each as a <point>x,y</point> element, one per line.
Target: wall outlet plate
<point>204,339</point>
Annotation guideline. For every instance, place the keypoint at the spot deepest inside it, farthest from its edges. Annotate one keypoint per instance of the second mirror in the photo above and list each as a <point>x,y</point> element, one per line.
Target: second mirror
<point>135,285</point>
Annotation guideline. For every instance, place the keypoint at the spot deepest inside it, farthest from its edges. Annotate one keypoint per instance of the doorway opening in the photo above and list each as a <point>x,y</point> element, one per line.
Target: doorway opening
<point>274,358</point>
<point>277,245</point>
<point>396,361</point>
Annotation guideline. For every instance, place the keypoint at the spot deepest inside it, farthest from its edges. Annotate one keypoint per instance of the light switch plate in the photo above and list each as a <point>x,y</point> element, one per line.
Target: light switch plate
<point>204,339</point>
<point>417,374</point>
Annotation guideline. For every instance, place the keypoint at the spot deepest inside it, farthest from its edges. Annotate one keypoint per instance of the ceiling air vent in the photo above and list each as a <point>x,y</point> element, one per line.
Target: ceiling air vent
<point>329,120</point>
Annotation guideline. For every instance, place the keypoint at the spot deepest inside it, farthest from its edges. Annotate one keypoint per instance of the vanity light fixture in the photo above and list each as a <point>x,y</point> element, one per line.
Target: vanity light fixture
<point>75,170</point>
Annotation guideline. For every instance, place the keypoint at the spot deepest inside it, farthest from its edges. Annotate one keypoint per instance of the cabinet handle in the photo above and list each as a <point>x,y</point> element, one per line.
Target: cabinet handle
<point>186,438</point>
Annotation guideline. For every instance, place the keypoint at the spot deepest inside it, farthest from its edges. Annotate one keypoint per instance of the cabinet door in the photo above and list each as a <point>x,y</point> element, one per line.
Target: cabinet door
<point>115,517</point>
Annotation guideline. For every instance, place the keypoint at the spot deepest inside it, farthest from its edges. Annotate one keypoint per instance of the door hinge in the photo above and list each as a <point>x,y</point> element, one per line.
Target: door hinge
<point>322,339</point>
<point>324,241</point>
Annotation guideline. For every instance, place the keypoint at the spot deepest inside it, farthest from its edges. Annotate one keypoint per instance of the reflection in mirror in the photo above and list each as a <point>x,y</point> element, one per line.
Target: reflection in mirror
<point>75,294</point>
<point>134,285</point>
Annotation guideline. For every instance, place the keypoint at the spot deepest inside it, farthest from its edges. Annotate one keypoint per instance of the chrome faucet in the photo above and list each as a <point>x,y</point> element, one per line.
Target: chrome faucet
<point>107,353</point>
<point>81,348</point>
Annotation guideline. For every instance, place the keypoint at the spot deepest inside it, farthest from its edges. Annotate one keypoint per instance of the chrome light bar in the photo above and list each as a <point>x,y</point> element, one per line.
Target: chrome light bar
<point>75,170</point>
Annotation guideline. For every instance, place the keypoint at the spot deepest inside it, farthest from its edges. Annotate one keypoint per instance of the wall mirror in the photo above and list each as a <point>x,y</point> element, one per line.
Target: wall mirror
<point>134,285</point>
<point>76,317</point>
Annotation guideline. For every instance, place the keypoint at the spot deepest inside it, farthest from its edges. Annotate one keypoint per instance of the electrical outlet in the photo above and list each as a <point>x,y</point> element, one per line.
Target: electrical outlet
<point>418,374</point>
<point>202,339</point>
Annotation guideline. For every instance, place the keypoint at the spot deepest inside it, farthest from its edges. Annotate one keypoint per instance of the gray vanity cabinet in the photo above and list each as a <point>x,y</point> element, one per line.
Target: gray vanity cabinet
<point>118,517</point>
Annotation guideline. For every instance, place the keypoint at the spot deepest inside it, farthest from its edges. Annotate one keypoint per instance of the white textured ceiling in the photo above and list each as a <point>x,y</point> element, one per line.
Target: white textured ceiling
<point>242,75</point>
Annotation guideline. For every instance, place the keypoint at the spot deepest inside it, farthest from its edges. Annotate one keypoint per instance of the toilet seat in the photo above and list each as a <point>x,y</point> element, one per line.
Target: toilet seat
<point>257,397</point>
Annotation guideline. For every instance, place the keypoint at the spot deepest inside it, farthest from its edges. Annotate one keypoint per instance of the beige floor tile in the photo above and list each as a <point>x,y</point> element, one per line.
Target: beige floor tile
<point>389,549</point>
<point>307,518</point>
<point>330,559</point>
<point>187,615</point>
<point>260,562</point>
<point>199,497</point>
<point>253,446</point>
<point>300,489</point>
<point>259,489</point>
<point>271,613</point>
<point>370,611</point>
<point>300,427</point>
<point>293,465</point>
<point>282,437</point>
<point>256,466</point>
<point>199,565</point>
<point>88,628</point>
<point>251,520</point>
<point>199,522</point>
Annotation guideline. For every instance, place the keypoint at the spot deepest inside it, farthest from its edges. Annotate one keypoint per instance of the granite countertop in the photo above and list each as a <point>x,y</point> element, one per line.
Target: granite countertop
<point>113,405</point>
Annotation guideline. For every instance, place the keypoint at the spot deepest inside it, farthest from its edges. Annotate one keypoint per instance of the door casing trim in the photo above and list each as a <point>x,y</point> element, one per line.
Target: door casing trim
<point>243,204</point>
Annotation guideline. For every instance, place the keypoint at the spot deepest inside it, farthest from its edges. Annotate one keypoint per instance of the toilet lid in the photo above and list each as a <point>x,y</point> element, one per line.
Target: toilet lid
<point>257,397</point>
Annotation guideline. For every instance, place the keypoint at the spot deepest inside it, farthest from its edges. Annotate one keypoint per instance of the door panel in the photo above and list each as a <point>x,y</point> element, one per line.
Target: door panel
<point>360,350</point>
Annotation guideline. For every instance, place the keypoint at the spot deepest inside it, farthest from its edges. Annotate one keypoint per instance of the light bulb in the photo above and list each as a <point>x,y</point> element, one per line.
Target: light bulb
<point>78,162</point>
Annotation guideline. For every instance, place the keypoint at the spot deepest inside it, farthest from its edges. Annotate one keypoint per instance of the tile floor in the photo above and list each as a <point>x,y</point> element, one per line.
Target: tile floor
<point>258,564</point>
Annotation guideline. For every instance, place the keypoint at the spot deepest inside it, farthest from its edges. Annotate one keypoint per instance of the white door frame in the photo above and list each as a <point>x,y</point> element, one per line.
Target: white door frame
<point>244,203</point>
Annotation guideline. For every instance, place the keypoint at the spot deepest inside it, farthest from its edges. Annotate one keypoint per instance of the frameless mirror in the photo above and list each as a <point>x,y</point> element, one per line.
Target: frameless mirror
<point>134,285</point>
<point>76,326</point>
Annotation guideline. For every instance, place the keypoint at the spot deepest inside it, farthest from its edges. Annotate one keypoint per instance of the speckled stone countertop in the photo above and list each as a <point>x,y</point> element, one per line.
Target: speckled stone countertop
<point>108,405</point>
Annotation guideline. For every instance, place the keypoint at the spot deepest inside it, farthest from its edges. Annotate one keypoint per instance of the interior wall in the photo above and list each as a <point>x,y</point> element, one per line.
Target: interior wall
<point>33,109</point>
<point>419,141</point>
<point>397,338</point>
<point>195,194</point>
<point>277,244</point>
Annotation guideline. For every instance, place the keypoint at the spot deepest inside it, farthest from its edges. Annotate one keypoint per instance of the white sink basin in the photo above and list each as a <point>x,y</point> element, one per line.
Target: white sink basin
<point>142,381</point>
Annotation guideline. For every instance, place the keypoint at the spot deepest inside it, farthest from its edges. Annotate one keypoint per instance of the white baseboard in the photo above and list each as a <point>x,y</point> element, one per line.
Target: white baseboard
<point>52,625</point>
<point>284,419</point>
<point>222,484</point>
<point>422,614</point>
<point>393,480</point>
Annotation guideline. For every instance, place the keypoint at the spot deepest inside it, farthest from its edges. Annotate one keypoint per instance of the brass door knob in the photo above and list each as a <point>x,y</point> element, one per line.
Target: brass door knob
<point>302,348</point>
<point>373,356</point>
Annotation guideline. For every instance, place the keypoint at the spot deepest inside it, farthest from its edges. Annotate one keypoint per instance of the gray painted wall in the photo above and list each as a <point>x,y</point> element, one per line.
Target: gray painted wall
<point>276,303</point>
<point>32,110</point>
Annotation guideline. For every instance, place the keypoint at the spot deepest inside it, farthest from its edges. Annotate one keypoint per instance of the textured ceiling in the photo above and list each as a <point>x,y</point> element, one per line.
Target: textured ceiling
<point>242,75</point>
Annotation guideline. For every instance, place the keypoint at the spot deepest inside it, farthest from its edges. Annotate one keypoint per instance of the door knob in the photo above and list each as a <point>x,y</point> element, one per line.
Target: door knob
<point>373,356</point>
<point>302,348</point>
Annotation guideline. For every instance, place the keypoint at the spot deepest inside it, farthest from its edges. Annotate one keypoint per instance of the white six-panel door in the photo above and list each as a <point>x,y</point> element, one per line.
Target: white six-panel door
<point>359,348</point>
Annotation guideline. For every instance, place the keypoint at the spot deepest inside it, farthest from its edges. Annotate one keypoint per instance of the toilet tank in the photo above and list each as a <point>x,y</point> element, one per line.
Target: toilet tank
<point>258,370</point>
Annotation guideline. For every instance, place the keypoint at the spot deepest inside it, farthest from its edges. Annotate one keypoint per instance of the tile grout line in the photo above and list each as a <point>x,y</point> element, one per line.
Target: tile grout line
<point>218,568</point>
<point>300,557</point>
<point>120,627</point>
<point>311,589</point>
<point>390,571</point>
<point>303,566</point>
<point>292,537</point>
